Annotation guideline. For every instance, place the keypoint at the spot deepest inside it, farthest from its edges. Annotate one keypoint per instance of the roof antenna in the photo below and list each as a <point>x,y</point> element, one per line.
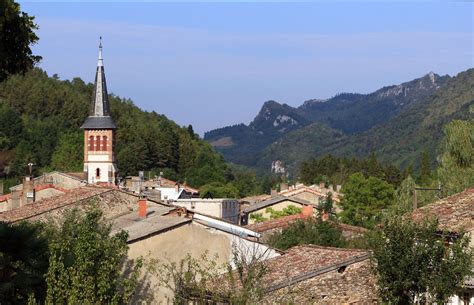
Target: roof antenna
<point>100,42</point>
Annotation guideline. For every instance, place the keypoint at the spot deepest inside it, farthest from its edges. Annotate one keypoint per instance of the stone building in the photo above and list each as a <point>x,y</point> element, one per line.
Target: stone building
<point>99,133</point>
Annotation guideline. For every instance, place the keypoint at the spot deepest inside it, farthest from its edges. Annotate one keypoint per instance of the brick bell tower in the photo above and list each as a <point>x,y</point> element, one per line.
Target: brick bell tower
<point>99,133</point>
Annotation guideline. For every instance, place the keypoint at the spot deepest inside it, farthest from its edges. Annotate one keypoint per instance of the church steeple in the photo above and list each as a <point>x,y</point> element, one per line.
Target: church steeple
<point>99,116</point>
<point>99,133</point>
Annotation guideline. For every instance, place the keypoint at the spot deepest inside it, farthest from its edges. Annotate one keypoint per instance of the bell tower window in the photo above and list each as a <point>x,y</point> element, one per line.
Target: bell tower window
<point>97,173</point>
<point>97,143</point>
<point>104,143</point>
<point>91,143</point>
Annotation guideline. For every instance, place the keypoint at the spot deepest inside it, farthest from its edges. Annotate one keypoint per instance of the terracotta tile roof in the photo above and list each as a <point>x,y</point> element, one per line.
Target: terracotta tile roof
<point>274,224</point>
<point>310,189</point>
<point>314,274</point>
<point>306,259</point>
<point>37,189</point>
<point>163,182</point>
<point>79,175</point>
<point>49,204</point>
<point>454,213</point>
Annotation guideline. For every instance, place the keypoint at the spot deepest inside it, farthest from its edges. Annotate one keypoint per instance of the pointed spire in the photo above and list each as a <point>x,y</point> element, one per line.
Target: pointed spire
<point>101,101</point>
<point>99,116</point>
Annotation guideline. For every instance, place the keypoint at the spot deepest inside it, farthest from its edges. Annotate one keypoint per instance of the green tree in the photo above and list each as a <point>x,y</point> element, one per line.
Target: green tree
<point>16,36</point>
<point>413,262</point>
<point>289,210</point>
<point>11,127</point>
<point>425,167</point>
<point>365,200</point>
<point>23,262</point>
<point>310,231</point>
<point>86,262</point>
<point>404,196</point>
<point>219,190</point>
<point>69,153</point>
<point>456,171</point>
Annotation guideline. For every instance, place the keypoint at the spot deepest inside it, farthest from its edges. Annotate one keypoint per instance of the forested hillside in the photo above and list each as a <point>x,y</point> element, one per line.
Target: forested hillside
<point>419,127</point>
<point>397,122</point>
<point>40,118</point>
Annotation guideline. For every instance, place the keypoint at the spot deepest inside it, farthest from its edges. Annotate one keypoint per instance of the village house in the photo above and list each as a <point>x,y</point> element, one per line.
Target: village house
<point>455,214</point>
<point>261,209</point>
<point>45,186</point>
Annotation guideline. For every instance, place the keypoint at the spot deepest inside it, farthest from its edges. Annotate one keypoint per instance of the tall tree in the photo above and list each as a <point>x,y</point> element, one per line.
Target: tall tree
<point>69,153</point>
<point>414,263</point>
<point>85,264</point>
<point>17,34</point>
<point>365,200</point>
<point>456,171</point>
<point>425,166</point>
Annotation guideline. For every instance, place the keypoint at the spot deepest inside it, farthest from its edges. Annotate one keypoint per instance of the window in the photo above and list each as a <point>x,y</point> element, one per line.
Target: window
<point>104,143</point>
<point>97,172</point>
<point>91,143</point>
<point>97,144</point>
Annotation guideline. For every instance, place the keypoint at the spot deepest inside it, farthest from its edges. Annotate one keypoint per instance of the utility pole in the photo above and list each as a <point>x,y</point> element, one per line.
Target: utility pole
<point>415,199</point>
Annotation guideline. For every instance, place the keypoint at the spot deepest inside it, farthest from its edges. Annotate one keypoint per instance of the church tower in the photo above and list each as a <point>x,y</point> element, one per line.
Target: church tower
<point>99,133</point>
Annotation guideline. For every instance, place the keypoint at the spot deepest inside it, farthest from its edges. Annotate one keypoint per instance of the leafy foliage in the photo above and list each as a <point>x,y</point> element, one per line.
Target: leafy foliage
<point>201,280</point>
<point>219,190</point>
<point>456,171</point>
<point>289,210</point>
<point>336,170</point>
<point>365,200</point>
<point>415,263</point>
<point>85,263</point>
<point>17,34</point>
<point>23,262</point>
<point>310,231</point>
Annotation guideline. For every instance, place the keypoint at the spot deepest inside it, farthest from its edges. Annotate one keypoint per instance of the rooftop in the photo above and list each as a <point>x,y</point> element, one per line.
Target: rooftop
<point>46,205</point>
<point>155,222</point>
<point>454,213</point>
<point>274,200</point>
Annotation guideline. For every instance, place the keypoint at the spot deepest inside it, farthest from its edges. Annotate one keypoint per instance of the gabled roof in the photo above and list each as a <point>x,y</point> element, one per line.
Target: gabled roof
<point>274,200</point>
<point>454,213</point>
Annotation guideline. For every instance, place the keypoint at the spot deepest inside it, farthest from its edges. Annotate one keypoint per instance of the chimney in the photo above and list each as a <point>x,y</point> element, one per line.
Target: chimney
<point>283,186</point>
<point>176,188</point>
<point>331,187</point>
<point>307,211</point>
<point>28,190</point>
<point>15,199</point>
<point>325,216</point>
<point>142,207</point>
<point>1,187</point>
<point>273,192</point>
<point>321,185</point>
<point>338,188</point>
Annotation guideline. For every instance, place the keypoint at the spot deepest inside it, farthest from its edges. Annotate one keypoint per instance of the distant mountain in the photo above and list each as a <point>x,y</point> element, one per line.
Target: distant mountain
<point>402,139</point>
<point>354,113</point>
<point>239,143</point>
<point>349,124</point>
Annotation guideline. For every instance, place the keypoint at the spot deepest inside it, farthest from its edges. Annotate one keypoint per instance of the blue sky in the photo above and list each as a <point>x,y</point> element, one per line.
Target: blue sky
<point>214,64</point>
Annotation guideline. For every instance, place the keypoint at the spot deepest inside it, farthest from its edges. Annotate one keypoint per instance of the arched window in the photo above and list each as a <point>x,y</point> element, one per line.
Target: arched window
<point>97,173</point>
<point>97,144</point>
<point>104,143</point>
<point>91,143</point>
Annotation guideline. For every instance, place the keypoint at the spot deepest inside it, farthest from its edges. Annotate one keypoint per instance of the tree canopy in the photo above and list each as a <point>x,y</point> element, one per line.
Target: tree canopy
<point>17,34</point>
<point>365,200</point>
<point>414,262</point>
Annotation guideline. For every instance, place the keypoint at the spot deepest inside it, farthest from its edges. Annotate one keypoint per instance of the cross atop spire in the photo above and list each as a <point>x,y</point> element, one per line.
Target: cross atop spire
<point>100,62</point>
